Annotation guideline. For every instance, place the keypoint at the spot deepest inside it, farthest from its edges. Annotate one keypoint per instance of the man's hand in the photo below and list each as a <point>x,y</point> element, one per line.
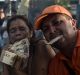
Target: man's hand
<point>48,48</point>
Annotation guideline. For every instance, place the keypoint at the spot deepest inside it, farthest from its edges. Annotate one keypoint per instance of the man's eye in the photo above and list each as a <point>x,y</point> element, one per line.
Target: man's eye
<point>56,23</point>
<point>12,30</point>
<point>45,28</point>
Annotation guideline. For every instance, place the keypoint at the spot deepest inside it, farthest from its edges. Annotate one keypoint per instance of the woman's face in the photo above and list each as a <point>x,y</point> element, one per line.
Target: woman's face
<point>18,30</point>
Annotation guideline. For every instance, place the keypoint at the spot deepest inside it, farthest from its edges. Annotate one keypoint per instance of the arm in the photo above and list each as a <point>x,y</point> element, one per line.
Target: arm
<point>15,70</point>
<point>20,73</point>
<point>5,70</point>
<point>49,50</point>
<point>42,56</point>
<point>19,70</point>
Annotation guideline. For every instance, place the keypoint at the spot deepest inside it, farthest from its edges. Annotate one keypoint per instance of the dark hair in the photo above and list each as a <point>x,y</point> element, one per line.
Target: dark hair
<point>13,18</point>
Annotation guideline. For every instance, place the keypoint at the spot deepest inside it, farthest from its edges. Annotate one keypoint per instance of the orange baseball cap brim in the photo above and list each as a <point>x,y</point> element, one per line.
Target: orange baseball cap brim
<point>39,19</point>
<point>51,10</point>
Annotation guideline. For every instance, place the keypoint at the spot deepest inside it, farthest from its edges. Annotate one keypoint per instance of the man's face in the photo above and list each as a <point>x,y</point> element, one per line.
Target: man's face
<point>18,30</point>
<point>56,25</point>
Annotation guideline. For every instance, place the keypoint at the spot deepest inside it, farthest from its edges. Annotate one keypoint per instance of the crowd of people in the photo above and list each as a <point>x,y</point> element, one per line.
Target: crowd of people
<point>54,52</point>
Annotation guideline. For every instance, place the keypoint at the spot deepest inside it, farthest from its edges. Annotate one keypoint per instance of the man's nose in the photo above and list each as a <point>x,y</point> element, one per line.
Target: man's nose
<point>52,29</point>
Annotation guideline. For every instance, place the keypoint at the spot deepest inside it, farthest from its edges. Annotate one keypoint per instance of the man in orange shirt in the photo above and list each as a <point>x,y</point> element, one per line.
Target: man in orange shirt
<point>56,22</point>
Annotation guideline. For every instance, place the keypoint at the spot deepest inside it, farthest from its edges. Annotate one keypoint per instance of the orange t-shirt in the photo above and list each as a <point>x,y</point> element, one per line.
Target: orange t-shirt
<point>57,67</point>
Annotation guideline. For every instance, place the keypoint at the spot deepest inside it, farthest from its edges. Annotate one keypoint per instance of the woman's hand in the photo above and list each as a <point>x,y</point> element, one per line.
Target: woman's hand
<point>19,66</point>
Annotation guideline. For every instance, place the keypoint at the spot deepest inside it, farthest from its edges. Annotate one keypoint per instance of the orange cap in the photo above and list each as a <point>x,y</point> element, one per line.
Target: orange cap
<point>51,10</point>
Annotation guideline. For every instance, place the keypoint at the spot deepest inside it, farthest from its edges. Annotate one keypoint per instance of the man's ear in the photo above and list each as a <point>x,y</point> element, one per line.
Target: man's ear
<point>74,22</point>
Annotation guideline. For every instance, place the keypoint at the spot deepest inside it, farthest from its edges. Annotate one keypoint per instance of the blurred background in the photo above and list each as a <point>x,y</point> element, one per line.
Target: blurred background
<point>32,8</point>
